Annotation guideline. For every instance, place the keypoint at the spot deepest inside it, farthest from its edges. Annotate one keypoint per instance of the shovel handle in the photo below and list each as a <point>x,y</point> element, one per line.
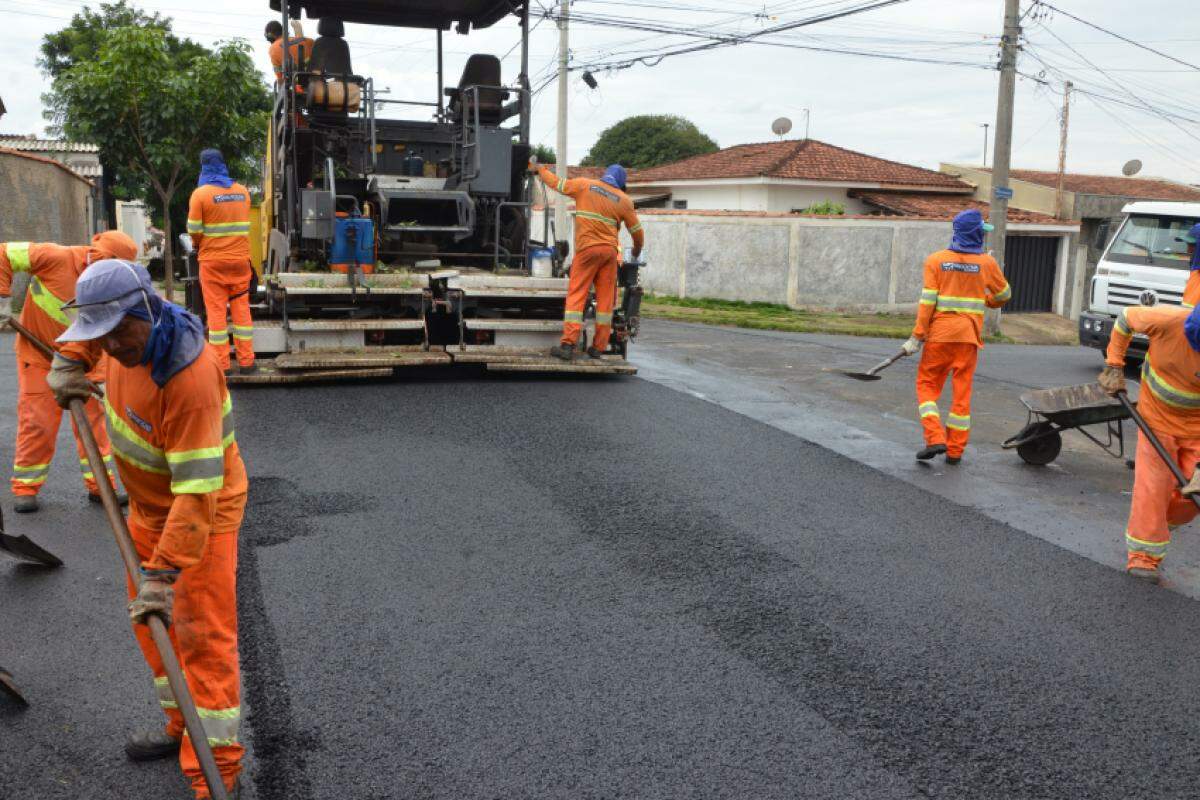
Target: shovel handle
<point>881,366</point>
<point>42,347</point>
<point>1180,478</point>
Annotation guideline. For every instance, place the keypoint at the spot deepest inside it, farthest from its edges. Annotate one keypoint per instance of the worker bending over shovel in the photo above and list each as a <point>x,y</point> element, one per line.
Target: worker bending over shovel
<point>960,283</point>
<point>53,270</point>
<point>600,208</point>
<point>172,431</point>
<point>1170,403</point>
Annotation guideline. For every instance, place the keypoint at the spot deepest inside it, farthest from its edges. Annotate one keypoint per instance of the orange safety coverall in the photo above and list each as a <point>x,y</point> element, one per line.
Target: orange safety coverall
<point>1170,403</point>
<point>180,463</point>
<point>53,270</point>
<point>1191,292</point>
<point>599,211</point>
<point>957,289</point>
<point>219,223</point>
<point>299,49</point>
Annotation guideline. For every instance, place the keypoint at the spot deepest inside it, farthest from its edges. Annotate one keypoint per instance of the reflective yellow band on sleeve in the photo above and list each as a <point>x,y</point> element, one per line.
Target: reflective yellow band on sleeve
<point>18,256</point>
<point>50,305</point>
<point>195,225</point>
<point>636,228</point>
<point>197,471</point>
<point>1004,294</point>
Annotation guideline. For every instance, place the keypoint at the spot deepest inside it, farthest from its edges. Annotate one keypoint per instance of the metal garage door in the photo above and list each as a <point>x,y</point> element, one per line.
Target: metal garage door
<point>1029,265</point>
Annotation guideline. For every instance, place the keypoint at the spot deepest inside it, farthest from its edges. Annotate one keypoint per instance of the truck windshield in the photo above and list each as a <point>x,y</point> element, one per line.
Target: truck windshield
<point>1153,240</point>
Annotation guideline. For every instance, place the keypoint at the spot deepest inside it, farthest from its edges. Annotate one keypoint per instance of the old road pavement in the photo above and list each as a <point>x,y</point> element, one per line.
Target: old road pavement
<point>689,584</point>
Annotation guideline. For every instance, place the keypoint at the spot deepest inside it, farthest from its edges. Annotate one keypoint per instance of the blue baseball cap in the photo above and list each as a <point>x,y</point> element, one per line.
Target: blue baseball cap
<point>104,294</point>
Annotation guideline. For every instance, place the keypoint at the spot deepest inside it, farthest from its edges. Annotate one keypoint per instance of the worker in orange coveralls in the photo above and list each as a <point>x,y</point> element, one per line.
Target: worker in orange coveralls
<point>300,47</point>
<point>219,224</point>
<point>600,208</point>
<point>959,284</point>
<point>1170,403</point>
<point>1191,292</point>
<point>53,270</point>
<point>172,427</point>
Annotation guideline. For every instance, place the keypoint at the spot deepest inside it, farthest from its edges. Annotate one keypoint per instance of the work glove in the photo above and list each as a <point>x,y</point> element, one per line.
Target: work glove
<point>155,596</point>
<point>532,166</point>
<point>911,346</point>
<point>1112,380</point>
<point>1193,486</point>
<point>68,380</point>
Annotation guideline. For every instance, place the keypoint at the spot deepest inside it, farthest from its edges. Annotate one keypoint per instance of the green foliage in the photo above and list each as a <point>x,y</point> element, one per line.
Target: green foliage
<point>544,154</point>
<point>826,208</point>
<point>152,111</point>
<point>80,41</point>
<point>647,141</point>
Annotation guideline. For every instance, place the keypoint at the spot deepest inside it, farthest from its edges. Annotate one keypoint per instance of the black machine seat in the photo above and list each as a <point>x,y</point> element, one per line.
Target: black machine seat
<point>331,53</point>
<point>481,70</point>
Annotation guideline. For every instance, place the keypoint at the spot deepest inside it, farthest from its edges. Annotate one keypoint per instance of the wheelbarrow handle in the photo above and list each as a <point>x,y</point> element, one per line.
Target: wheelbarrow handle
<point>1180,478</point>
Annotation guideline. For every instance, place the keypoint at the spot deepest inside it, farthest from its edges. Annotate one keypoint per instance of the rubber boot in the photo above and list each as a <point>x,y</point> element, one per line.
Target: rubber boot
<point>564,352</point>
<point>25,503</point>
<point>122,499</point>
<point>151,746</point>
<point>930,451</point>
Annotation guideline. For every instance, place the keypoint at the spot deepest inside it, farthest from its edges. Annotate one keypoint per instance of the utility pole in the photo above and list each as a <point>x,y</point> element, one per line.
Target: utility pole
<point>560,153</point>
<point>985,127</point>
<point>1002,157</point>
<point>1062,150</point>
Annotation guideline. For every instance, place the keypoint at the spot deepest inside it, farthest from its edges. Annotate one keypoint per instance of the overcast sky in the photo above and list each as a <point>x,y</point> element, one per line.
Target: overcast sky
<point>912,112</point>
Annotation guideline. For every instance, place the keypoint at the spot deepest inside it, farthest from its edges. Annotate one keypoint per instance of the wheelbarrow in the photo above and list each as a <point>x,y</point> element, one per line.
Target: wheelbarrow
<point>1052,411</point>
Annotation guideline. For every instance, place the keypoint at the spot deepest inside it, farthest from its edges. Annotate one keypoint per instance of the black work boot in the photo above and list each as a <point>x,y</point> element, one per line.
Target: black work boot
<point>565,352</point>
<point>930,451</point>
<point>594,353</point>
<point>151,746</point>
<point>953,461</point>
<point>249,369</point>
<point>25,503</point>
<point>122,498</point>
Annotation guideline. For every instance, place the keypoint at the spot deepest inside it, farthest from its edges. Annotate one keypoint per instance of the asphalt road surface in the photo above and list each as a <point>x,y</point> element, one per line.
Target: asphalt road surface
<point>464,586</point>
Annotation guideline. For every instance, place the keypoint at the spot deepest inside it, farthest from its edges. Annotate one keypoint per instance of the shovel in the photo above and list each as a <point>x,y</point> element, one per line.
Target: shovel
<point>9,689</point>
<point>1180,478</point>
<point>873,373</point>
<point>24,550</point>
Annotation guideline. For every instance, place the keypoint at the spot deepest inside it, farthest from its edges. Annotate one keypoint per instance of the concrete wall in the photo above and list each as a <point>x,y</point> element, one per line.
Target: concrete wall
<point>858,264</point>
<point>42,202</point>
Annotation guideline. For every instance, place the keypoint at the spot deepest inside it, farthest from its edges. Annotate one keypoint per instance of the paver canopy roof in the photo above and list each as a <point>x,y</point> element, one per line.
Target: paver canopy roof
<point>408,13</point>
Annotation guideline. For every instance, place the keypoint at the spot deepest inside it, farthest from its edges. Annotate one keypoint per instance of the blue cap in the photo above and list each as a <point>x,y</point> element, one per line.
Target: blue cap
<point>104,294</point>
<point>1191,236</point>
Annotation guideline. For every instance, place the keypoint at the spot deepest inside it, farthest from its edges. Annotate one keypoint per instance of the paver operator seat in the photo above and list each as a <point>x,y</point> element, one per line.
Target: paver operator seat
<point>481,70</point>
<point>338,92</point>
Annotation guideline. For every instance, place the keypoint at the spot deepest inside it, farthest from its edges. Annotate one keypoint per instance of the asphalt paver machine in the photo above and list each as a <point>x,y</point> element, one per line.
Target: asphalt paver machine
<point>400,231</point>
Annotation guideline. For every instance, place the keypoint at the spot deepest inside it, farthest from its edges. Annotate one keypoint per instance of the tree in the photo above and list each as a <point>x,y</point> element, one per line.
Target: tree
<point>79,42</point>
<point>544,154</point>
<point>647,141</point>
<point>151,112</point>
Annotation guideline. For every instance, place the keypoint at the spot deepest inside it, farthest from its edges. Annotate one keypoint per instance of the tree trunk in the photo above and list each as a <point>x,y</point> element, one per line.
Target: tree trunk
<point>168,251</point>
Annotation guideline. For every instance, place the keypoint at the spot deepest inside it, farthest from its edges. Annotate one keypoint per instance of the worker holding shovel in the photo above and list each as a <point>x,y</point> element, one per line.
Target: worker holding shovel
<point>172,432</point>
<point>1170,405</point>
<point>960,283</point>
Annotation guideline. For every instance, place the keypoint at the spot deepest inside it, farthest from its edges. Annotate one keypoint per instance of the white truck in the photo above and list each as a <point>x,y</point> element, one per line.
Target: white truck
<point>1145,263</point>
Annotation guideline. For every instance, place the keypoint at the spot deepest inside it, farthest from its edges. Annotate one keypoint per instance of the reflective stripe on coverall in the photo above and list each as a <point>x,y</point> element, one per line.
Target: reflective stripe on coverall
<point>219,223</point>
<point>958,288</point>
<point>53,270</point>
<point>599,211</point>
<point>1170,403</point>
<point>177,454</point>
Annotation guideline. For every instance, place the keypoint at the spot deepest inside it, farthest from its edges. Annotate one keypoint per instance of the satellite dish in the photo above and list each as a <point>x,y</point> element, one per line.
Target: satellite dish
<point>781,126</point>
<point>1132,167</point>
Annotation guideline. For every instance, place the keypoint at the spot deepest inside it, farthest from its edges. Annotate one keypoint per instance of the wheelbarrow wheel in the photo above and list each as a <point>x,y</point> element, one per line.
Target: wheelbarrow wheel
<point>1045,448</point>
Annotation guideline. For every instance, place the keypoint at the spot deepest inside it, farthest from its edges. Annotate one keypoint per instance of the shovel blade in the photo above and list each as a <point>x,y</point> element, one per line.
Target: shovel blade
<point>8,688</point>
<point>860,376</point>
<point>26,551</point>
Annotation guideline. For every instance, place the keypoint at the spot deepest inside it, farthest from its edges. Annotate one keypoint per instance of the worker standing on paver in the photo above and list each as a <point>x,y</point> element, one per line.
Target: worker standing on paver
<point>53,270</point>
<point>960,283</point>
<point>1191,292</point>
<point>1170,403</point>
<point>172,427</point>
<point>600,208</point>
<point>219,223</point>
<point>299,46</point>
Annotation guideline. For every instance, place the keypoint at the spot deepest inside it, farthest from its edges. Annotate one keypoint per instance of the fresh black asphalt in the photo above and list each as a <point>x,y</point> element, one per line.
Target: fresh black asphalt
<point>464,586</point>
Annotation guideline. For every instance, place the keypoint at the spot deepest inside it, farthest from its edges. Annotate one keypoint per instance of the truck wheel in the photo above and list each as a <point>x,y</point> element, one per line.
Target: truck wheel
<point>1043,450</point>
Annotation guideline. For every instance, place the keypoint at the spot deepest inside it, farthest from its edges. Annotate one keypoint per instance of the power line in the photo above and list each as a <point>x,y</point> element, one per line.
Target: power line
<point>1117,35</point>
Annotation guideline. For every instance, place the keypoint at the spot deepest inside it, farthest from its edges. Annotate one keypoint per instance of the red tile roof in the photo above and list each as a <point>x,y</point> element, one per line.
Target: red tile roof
<point>804,159</point>
<point>945,206</point>
<point>1116,185</point>
<point>595,173</point>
